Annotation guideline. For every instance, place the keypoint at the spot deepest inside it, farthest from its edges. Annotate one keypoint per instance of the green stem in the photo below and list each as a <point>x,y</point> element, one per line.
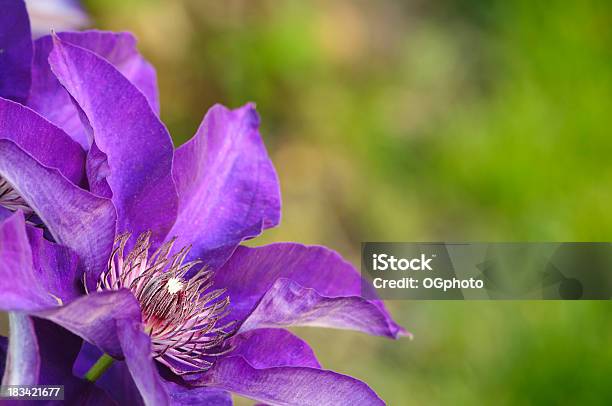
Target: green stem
<point>99,368</point>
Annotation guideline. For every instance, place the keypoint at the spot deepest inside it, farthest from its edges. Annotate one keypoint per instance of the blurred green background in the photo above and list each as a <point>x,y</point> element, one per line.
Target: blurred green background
<point>419,121</point>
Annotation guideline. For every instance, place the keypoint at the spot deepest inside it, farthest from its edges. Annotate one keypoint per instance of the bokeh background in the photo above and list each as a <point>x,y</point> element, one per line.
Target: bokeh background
<point>419,121</point>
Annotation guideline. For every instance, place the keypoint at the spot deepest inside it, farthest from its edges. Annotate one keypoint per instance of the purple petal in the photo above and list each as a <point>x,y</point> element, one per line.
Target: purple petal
<point>291,284</point>
<point>287,303</point>
<point>5,213</point>
<point>181,395</point>
<point>228,189</point>
<point>138,148</point>
<point>3,354</point>
<point>288,385</point>
<point>95,318</point>
<point>23,360</point>
<point>15,51</point>
<point>56,366</point>
<point>264,348</point>
<point>20,285</point>
<point>117,380</point>
<point>136,347</point>
<point>48,144</point>
<point>39,362</point>
<point>55,266</point>
<point>98,171</point>
<point>34,359</point>
<point>86,393</point>
<point>49,97</point>
<point>75,218</point>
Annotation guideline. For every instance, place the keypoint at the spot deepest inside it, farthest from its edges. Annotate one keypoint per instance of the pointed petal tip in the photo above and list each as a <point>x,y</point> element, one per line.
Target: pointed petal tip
<point>253,118</point>
<point>55,37</point>
<point>404,333</point>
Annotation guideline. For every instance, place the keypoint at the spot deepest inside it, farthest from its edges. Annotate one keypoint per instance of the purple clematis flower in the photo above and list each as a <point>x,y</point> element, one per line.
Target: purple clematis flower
<point>114,245</point>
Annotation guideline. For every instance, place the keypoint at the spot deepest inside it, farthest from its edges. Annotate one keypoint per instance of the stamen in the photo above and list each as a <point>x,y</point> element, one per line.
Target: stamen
<point>181,315</point>
<point>11,200</point>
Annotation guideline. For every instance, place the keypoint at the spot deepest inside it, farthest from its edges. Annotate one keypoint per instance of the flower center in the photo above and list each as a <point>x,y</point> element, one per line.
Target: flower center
<point>10,199</point>
<point>174,285</point>
<point>181,315</point>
